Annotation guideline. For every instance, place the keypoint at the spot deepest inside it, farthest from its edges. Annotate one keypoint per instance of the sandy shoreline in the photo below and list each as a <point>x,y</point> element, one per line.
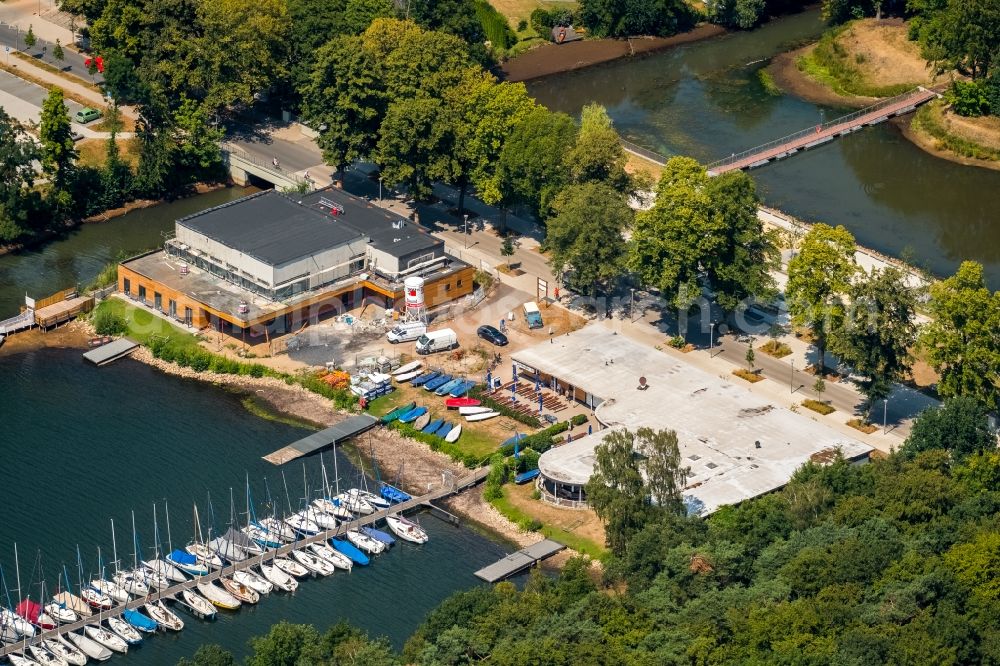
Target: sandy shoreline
<point>791,80</point>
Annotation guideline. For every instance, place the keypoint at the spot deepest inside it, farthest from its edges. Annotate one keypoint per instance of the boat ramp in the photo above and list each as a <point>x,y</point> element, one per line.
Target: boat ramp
<point>110,352</point>
<point>173,591</point>
<point>519,561</point>
<point>350,427</point>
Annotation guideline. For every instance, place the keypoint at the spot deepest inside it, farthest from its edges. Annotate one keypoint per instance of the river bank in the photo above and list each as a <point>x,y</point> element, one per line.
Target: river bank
<point>554,58</point>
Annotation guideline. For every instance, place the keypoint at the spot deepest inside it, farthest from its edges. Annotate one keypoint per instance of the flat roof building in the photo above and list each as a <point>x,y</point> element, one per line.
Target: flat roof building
<point>737,444</point>
<point>262,261</point>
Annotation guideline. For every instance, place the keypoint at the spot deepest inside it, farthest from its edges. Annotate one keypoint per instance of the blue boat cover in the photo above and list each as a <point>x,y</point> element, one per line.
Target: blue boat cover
<point>378,535</point>
<point>182,557</point>
<point>348,549</point>
<point>413,414</point>
<point>445,388</point>
<point>438,381</point>
<point>139,621</point>
<point>432,427</point>
<point>394,494</point>
<point>524,477</point>
<point>462,389</point>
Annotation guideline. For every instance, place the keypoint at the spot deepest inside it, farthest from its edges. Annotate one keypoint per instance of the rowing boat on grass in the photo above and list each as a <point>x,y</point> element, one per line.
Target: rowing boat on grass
<point>396,413</point>
<point>469,411</point>
<point>409,367</point>
<point>454,403</point>
<point>454,434</point>
<point>481,417</point>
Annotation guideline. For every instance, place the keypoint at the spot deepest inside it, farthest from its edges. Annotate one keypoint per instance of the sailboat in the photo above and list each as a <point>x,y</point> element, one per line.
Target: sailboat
<point>199,549</point>
<point>365,542</point>
<point>257,583</point>
<point>66,608</point>
<point>93,598</point>
<point>42,656</point>
<point>256,532</point>
<point>124,630</point>
<point>371,499</point>
<point>313,562</point>
<point>70,654</point>
<point>131,581</point>
<point>326,504</point>
<point>406,529</point>
<point>198,604</point>
<point>355,503</point>
<point>157,565</point>
<point>17,623</point>
<point>218,596</point>
<point>279,578</point>
<point>99,634</point>
<point>292,568</point>
<point>334,557</point>
<point>19,659</point>
<point>241,591</point>
<point>348,549</point>
<point>106,587</point>
<point>140,621</point>
<point>163,616</point>
<point>88,646</point>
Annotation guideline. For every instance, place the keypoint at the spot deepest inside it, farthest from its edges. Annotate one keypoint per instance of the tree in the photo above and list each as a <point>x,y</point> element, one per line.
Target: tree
<point>413,142</point>
<point>819,386</point>
<point>532,165</point>
<point>209,655</point>
<point>507,248</point>
<point>878,332</point>
<point>585,235</point>
<point>17,197</point>
<point>664,473</point>
<point>960,425</point>
<point>456,17</point>
<point>616,490</point>
<point>29,37</point>
<point>818,277</point>
<point>624,18</point>
<point>750,356</point>
<point>965,36</point>
<point>960,340</point>
<point>56,136</point>
<point>597,154</point>
<point>742,14</point>
<point>286,644</point>
<point>57,52</point>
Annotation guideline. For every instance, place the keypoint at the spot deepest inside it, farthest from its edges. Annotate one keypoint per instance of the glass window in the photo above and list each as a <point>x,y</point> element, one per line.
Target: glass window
<point>157,300</point>
<point>458,283</point>
<point>128,287</point>
<point>142,292</point>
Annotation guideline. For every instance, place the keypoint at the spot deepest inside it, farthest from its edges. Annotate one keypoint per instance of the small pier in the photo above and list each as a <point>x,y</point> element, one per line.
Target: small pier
<point>350,427</point>
<point>173,591</point>
<point>519,561</point>
<point>110,352</point>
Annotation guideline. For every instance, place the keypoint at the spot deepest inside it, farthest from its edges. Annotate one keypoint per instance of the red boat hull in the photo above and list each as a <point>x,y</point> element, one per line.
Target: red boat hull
<point>455,403</point>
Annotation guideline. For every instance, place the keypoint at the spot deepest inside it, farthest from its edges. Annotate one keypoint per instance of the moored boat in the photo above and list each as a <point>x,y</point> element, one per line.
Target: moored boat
<point>44,657</point>
<point>165,570</point>
<point>348,549</point>
<point>21,659</point>
<point>66,651</point>
<point>262,536</point>
<point>32,612</point>
<point>333,507</point>
<point>96,599</point>
<point>70,602</point>
<point>371,498</point>
<point>106,638</point>
<point>198,604</point>
<point>365,542</point>
<point>86,645</point>
<point>455,403</point>
<point>355,503</point>
<point>337,559</point>
<point>406,529</point>
<point>278,529</point>
<point>124,630</point>
<point>140,621</point>
<point>292,568</point>
<point>257,583</point>
<point>165,618</point>
<point>108,588</point>
<point>243,592</point>
<point>302,524</point>
<point>132,582</point>
<point>312,562</point>
<point>280,579</point>
<point>187,562</point>
<point>393,494</point>
<point>378,535</point>
<point>218,596</point>
<point>204,554</point>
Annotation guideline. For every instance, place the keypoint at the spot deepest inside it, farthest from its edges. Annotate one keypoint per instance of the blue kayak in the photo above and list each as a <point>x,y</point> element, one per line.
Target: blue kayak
<point>432,427</point>
<point>444,430</point>
<point>140,621</point>
<point>378,535</point>
<point>446,389</point>
<point>437,382</point>
<point>462,389</point>
<point>394,494</point>
<point>350,551</point>
<point>424,378</point>
<point>413,414</point>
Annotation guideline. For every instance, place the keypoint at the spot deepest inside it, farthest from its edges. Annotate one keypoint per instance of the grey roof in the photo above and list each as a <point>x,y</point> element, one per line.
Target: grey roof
<point>271,227</point>
<point>387,231</point>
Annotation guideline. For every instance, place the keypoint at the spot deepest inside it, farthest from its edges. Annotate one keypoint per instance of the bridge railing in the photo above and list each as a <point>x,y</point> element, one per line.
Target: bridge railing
<point>262,164</point>
<point>818,129</point>
<point>646,153</point>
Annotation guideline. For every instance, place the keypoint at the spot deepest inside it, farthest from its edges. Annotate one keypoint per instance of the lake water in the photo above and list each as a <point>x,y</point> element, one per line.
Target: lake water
<point>705,100</point>
<point>82,445</point>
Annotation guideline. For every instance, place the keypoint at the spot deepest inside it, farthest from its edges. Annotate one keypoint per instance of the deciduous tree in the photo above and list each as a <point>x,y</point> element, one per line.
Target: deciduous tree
<point>56,136</point>
<point>665,473</point>
<point>818,278</point>
<point>413,144</point>
<point>17,198</point>
<point>616,491</point>
<point>597,153</point>
<point>960,426</point>
<point>585,235</point>
<point>879,331</point>
<point>532,163</point>
<point>961,339</point>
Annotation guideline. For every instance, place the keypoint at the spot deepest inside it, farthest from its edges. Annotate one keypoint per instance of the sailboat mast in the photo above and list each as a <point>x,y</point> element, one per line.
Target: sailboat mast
<point>114,547</point>
<point>288,499</point>
<point>135,545</point>
<point>17,571</point>
<point>166,510</point>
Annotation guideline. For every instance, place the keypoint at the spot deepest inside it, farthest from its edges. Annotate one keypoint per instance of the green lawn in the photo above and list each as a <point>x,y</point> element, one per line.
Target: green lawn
<point>570,539</point>
<point>143,326</point>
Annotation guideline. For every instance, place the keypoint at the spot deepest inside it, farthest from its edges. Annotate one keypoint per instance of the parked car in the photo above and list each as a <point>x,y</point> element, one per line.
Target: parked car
<point>435,341</point>
<point>492,335</point>
<point>75,135</point>
<point>532,315</point>
<point>406,331</point>
<point>86,115</point>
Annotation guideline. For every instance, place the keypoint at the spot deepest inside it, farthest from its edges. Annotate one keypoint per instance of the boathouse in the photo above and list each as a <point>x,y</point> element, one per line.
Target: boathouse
<point>737,444</point>
<point>267,263</point>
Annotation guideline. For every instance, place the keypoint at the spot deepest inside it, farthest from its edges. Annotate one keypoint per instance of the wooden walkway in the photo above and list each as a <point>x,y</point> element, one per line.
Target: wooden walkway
<point>824,133</point>
<point>519,561</point>
<point>110,352</point>
<point>346,429</point>
<point>171,592</point>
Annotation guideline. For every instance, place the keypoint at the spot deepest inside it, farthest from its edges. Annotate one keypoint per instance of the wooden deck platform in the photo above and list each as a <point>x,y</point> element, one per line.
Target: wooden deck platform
<point>62,311</point>
<point>110,352</point>
<point>519,561</point>
<point>350,427</point>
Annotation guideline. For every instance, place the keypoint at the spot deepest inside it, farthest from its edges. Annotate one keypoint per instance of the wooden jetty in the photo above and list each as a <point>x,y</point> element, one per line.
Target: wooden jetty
<point>467,481</point>
<point>110,352</point>
<point>349,427</point>
<point>519,561</point>
<point>823,133</point>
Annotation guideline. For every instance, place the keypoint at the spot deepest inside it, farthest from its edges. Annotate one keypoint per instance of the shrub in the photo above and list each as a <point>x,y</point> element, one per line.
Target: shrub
<point>968,98</point>
<point>677,342</point>
<point>522,25</point>
<point>540,441</point>
<point>541,21</point>
<point>107,322</point>
<point>495,26</point>
<point>578,419</point>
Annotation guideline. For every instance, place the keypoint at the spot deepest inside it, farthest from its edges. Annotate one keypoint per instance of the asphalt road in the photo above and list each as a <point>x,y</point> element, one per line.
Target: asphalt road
<point>72,63</point>
<point>259,142</point>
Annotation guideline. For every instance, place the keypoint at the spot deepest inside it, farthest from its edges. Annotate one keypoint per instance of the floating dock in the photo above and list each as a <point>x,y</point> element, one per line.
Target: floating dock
<point>110,352</point>
<point>519,561</point>
<point>350,427</point>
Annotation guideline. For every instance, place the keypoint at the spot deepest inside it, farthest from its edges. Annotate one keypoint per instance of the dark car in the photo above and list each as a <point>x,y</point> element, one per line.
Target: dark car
<point>491,334</point>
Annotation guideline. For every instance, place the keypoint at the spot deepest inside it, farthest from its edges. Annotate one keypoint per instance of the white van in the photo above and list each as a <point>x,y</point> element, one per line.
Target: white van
<point>406,331</point>
<point>435,341</point>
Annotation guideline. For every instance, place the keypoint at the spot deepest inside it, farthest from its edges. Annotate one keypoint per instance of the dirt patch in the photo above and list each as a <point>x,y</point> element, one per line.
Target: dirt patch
<point>922,374</point>
<point>883,53</point>
<point>930,144</point>
<point>73,335</point>
<point>583,522</point>
<point>406,462</point>
<point>472,505</point>
<point>786,74</point>
<point>984,131</point>
<point>635,165</point>
<point>555,58</point>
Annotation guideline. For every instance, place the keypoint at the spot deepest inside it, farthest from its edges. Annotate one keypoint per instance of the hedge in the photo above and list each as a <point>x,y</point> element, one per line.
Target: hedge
<point>437,444</point>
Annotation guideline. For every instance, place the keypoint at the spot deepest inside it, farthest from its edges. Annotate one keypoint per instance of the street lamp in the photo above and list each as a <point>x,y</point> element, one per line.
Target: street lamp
<point>791,379</point>
<point>631,305</point>
<point>885,415</point>
<point>465,232</point>
<point>380,189</point>
<point>711,338</point>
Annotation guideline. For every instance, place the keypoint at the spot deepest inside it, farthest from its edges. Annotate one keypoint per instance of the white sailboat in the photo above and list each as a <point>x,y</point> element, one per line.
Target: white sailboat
<point>336,509</point>
<point>244,593</point>
<point>406,529</point>
<point>218,596</point>
<point>312,562</point>
<point>164,617</point>
<point>198,604</point>
<point>279,578</point>
<point>253,581</point>
<point>372,499</point>
<point>124,630</point>
<point>469,411</point>
<point>20,659</point>
<point>197,547</point>
<point>292,568</point>
<point>365,542</point>
<point>42,656</point>
<point>355,504</point>
<point>331,555</point>
<point>70,654</point>
<point>106,587</point>
<point>278,529</point>
<point>88,646</point>
<point>302,523</point>
<point>109,640</point>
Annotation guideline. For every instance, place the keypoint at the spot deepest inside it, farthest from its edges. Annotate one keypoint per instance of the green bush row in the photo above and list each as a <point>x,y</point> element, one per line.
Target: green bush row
<point>342,398</point>
<point>437,444</point>
<point>928,120</point>
<point>202,360</point>
<point>495,26</point>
